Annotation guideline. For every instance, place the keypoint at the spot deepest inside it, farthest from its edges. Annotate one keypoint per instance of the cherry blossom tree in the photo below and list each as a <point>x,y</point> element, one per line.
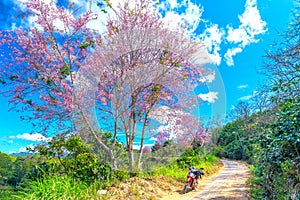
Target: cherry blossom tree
<point>140,65</point>
<point>65,73</point>
<point>160,139</point>
<point>147,150</point>
<point>178,125</point>
<point>38,61</point>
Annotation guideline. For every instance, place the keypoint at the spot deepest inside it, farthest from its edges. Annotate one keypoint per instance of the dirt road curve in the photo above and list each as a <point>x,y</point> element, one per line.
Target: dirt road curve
<point>229,184</point>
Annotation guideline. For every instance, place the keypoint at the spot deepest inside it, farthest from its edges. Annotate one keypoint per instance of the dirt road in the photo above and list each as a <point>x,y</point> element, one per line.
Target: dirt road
<point>229,184</point>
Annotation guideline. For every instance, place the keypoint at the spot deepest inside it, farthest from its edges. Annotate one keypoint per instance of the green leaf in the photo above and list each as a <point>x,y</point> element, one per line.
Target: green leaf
<point>2,81</point>
<point>49,81</point>
<point>84,45</point>
<point>156,88</point>
<point>13,77</point>
<point>29,102</point>
<point>65,71</point>
<point>108,3</point>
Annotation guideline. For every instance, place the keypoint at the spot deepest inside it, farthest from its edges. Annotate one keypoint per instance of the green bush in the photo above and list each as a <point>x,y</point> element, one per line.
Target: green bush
<point>73,157</point>
<point>219,151</point>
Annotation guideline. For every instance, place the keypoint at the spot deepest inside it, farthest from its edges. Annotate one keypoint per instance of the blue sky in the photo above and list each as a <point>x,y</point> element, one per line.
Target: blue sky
<point>236,34</point>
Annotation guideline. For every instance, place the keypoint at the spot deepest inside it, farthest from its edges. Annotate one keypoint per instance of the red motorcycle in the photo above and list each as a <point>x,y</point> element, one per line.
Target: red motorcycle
<point>191,182</point>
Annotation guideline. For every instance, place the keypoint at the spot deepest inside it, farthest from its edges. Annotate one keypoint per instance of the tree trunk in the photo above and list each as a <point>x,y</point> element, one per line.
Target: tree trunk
<point>131,137</point>
<point>142,143</point>
<point>101,143</point>
<point>131,158</point>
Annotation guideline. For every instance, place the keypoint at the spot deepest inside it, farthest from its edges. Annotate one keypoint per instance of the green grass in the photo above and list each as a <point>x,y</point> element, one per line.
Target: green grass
<point>63,187</point>
<point>256,183</point>
<point>8,193</point>
<point>60,188</point>
<point>209,163</point>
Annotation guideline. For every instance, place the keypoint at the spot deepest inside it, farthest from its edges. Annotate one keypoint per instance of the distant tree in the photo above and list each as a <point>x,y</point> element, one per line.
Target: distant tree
<point>146,150</point>
<point>6,165</point>
<point>261,100</point>
<point>21,169</point>
<point>241,110</point>
<point>160,139</point>
<point>282,65</point>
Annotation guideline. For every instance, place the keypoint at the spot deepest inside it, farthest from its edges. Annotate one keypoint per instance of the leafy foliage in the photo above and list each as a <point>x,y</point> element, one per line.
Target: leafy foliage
<point>6,163</point>
<point>237,139</point>
<point>270,139</point>
<point>280,156</point>
<point>280,143</point>
<point>63,167</point>
<point>75,159</point>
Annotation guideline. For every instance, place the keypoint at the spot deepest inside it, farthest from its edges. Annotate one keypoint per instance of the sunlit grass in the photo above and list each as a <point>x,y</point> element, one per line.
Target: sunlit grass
<point>210,163</point>
<point>63,187</point>
<point>60,188</point>
<point>7,193</point>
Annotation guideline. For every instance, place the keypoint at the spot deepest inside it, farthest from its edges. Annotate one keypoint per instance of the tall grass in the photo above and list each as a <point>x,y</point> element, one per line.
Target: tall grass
<point>210,163</point>
<point>60,188</point>
<point>64,187</point>
<point>7,193</point>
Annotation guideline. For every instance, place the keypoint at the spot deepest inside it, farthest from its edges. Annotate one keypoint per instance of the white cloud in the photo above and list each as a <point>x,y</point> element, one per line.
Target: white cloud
<point>13,26</point>
<point>245,98</point>
<point>10,141</point>
<point>173,19</point>
<point>212,38</point>
<point>32,137</point>
<point>191,15</point>
<point>232,107</point>
<point>229,55</point>
<point>209,97</point>
<point>23,149</point>
<point>135,146</point>
<point>251,26</point>
<point>208,78</point>
<point>238,36</point>
<point>243,86</point>
<point>173,3</point>
<point>31,19</point>
<point>100,23</point>
<point>248,97</point>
